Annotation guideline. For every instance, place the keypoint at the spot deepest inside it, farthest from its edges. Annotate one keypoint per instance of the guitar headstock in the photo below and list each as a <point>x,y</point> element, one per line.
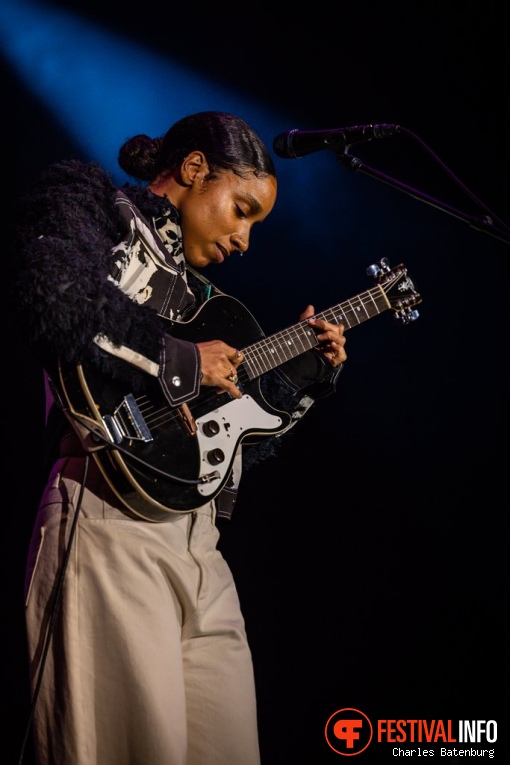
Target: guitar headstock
<point>399,289</point>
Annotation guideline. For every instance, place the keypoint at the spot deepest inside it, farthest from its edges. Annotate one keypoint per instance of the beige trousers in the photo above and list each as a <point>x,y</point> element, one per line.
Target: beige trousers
<point>148,663</point>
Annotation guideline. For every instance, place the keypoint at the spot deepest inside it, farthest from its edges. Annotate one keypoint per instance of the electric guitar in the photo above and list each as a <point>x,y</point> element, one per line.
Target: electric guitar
<point>160,459</point>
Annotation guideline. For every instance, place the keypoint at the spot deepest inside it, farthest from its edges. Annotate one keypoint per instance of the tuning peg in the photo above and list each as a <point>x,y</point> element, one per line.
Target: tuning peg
<point>407,315</point>
<point>377,269</point>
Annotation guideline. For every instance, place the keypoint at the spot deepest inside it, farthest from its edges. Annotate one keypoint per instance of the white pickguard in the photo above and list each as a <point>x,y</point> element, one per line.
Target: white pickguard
<point>232,420</point>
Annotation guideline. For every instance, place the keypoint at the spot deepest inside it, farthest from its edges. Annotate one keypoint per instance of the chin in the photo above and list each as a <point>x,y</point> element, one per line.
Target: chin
<point>197,262</point>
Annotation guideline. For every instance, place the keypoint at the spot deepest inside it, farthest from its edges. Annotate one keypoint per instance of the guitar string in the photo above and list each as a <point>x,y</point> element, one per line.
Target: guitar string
<point>300,332</point>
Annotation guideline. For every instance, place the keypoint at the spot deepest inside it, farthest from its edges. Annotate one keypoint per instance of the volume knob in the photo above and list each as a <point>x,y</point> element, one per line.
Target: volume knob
<point>215,456</point>
<point>210,428</point>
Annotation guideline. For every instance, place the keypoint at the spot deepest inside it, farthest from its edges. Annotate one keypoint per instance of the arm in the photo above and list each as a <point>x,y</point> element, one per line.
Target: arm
<point>65,298</point>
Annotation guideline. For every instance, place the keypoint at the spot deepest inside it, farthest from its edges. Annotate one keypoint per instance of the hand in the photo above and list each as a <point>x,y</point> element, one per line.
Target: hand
<point>219,363</point>
<point>331,337</point>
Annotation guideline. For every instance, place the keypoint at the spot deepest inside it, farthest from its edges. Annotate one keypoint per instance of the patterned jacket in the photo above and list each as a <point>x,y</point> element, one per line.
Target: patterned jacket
<point>100,277</point>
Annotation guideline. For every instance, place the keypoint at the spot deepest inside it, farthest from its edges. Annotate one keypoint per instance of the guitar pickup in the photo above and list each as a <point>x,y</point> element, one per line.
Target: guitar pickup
<point>127,422</point>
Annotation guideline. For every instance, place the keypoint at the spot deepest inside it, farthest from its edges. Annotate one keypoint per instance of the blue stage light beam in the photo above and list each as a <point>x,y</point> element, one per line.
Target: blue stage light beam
<point>103,88</point>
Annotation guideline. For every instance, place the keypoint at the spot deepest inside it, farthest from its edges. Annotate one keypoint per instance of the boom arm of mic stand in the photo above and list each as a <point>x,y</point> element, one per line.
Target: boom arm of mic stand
<point>484,224</point>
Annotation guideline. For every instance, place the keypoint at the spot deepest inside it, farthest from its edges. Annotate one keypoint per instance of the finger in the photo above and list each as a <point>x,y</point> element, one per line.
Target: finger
<point>307,313</point>
<point>326,326</point>
<point>237,357</point>
<point>326,338</point>
<point>228,386</point>
<point>339,354</point>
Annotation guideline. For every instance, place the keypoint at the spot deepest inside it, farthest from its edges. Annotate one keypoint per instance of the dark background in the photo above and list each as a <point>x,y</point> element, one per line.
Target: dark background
<point>369,555</point>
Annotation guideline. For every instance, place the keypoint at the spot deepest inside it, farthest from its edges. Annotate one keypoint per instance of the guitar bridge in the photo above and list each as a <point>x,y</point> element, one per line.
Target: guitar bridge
<point>127,422</point>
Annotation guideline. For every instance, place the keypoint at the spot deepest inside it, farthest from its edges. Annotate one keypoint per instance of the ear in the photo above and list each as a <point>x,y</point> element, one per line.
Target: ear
<point>194,168</point>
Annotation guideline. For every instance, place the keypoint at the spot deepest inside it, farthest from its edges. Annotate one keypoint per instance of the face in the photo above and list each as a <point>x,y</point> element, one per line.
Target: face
<point>217,215</point>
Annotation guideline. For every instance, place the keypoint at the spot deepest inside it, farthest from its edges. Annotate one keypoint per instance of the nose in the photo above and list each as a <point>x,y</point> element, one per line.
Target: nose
<point>241,242</point>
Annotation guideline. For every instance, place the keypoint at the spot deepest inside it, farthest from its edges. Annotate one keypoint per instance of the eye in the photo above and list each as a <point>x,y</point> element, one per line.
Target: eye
<point>240,212</point>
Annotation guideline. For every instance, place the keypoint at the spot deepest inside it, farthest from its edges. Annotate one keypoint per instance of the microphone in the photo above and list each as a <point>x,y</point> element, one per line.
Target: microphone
<point>297,143</point>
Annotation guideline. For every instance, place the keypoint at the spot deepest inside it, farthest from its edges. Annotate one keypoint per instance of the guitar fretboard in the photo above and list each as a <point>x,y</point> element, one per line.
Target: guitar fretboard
<point>274,350</point>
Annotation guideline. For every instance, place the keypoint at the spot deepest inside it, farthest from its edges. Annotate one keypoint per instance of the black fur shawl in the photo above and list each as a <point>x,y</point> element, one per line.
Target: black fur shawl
<point>65,230</point>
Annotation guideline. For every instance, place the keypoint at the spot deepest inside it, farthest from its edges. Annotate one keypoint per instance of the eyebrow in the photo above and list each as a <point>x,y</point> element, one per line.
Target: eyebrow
<point>254,203</point>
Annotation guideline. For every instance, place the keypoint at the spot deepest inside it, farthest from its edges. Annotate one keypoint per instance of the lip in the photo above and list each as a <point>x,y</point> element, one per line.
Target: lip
<point>222,252</point>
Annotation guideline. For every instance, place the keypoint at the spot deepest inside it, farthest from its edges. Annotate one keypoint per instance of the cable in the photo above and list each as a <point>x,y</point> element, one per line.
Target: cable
<point>51,626</point>
<point>117,447</point>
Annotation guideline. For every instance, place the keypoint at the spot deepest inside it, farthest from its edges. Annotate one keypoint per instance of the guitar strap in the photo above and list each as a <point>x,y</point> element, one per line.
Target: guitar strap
<point>209,287</point>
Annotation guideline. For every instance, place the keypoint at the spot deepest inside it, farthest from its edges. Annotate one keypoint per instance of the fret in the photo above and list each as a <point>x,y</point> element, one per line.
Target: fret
<point>270,352</point>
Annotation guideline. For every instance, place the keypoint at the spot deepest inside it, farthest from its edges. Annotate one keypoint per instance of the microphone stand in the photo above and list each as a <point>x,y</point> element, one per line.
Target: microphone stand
<point>484,223</point>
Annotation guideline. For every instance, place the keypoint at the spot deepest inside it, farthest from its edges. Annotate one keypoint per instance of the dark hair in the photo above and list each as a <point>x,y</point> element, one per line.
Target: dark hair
<point>227,141</point>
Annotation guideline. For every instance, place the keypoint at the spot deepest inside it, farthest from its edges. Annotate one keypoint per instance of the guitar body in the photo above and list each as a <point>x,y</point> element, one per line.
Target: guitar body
<point>160,459</point>
<point>163,439</point>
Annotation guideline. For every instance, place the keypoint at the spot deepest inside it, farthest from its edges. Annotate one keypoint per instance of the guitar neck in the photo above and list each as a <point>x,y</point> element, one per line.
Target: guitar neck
<point>272,351</point>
